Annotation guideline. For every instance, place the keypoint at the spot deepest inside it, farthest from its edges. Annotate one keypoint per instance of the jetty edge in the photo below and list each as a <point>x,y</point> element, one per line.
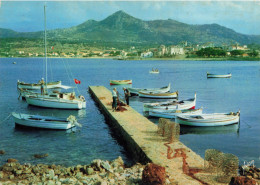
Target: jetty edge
<point>144,143</point>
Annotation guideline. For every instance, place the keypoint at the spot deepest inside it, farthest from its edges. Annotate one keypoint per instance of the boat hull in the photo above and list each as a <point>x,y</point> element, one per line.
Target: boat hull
<point>171,105</point>
<point>37,86</point>
<point>153,95</point>
<point>135,91</point>
<point>216,120</point>
<point>171,114</point>
<point>55,103</point>
<point>218,76</point>
<point>39,122</point>
<point>120,82</point>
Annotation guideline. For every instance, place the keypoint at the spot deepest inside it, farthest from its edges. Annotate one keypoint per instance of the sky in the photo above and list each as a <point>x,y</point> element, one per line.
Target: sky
<point>27,16</point>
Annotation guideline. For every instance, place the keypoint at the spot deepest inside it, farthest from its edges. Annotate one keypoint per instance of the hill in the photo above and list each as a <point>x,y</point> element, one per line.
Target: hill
<point>121,27</point>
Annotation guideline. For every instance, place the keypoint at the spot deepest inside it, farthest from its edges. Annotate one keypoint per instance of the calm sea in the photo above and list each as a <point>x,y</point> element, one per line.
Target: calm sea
<point>96,140</point>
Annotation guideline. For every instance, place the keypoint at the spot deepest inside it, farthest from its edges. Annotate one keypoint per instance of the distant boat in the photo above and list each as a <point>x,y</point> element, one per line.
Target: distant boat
<point>44,122</point>
<point>154,71</point>
<point>14,62</point>
<point>134,91</point>
<point>209,75</point>
<point>171,114</point>
<point>158,95</point>
<point>120,82</point>
<point>170,105</point>
<point>208,120</point>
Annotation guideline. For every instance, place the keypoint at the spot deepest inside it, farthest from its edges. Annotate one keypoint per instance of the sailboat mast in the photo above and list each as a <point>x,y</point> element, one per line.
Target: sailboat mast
<point>45,44</point>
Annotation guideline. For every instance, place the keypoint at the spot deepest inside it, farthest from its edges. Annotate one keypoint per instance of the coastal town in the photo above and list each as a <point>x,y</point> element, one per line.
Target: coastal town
<point>183,50</point>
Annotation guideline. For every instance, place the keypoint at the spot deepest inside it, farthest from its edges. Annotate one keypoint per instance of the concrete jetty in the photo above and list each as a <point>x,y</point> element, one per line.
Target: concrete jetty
<point>146,145</point>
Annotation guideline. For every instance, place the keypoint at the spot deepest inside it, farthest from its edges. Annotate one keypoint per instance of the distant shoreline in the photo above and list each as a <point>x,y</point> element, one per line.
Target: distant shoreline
<point>153,58</point>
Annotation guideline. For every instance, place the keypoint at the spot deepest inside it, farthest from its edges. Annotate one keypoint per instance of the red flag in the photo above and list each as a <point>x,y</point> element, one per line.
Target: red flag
<point>76,81</point>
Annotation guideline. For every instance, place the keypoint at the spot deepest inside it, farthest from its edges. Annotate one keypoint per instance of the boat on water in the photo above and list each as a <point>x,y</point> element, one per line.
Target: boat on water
<point>171,114</point>
<point>170,105</point>
<point>120,82</point>
<point>158,95</point>
<point>210,75</point>
<point>135,91</point>
<point>208,120</point>
<point>55,100</point>
<point>24,92</point>
<point>154,71</point>
<point>44,122</point>
<point>37,86</point>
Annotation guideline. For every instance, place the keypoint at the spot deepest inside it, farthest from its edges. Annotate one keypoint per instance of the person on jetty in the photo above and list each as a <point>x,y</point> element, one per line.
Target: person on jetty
<point>42,86</point>
<point>127,95</point>
<point>114,104</point>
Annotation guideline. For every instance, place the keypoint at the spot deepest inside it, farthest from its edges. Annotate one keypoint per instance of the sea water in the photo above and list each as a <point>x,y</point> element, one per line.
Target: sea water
<point>96,140</point>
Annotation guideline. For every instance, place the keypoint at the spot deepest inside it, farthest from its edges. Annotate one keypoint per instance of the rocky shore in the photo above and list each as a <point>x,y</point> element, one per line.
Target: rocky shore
<point>97,173</point>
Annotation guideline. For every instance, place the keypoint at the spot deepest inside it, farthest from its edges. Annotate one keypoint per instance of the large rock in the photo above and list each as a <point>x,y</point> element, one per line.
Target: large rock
<point>242,181</point>
<point>10,160</point>
<point>39,156</point>
<point>153,174</point>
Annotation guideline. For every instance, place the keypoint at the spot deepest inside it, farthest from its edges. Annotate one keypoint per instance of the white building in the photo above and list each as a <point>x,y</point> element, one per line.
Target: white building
<point>177,50</point>
<point>148,54</point>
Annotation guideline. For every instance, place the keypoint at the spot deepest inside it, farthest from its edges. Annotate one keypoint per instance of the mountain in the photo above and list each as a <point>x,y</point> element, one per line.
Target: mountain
<point>121,27</point>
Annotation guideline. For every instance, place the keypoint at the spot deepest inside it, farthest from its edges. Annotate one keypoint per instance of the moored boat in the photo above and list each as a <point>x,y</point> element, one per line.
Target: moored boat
<point>57,100</point>
<point>170,105</point>
<point>44,122</point>
<point>135,91</point>
<point>34,86</point>
<point>120,82</point>
<point>208,120</point>
<point>154,71</point>
<point>171,114</point>
<point>158,95</point>
<point>209,75</point>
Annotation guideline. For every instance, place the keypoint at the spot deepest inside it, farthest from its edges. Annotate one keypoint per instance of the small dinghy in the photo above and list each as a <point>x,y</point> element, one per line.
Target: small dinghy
<point>209,75</point>
<point>154,71</point>
<point>171,114</point>
<point>120,82</point>
<point>135,91</point>
<point>45,122</point>
<point>158,95</point>
<point>170,105</point>
<point>208,120</point>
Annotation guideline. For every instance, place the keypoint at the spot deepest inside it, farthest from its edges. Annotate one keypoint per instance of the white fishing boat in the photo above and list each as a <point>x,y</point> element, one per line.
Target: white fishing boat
<point>170,105</point>
<point>37,86</point>
<point>171,114</point>
<point>208,120</point>
<point>45,122</point>
<point>158,95</point>
<point>135,91</point>
<point>55,100</point>
<point>209,75</point>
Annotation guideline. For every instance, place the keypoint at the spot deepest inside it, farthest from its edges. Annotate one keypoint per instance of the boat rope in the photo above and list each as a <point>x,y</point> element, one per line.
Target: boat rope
<point>247,124</point>
<point>69,74</point>
<point>6,118</point>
